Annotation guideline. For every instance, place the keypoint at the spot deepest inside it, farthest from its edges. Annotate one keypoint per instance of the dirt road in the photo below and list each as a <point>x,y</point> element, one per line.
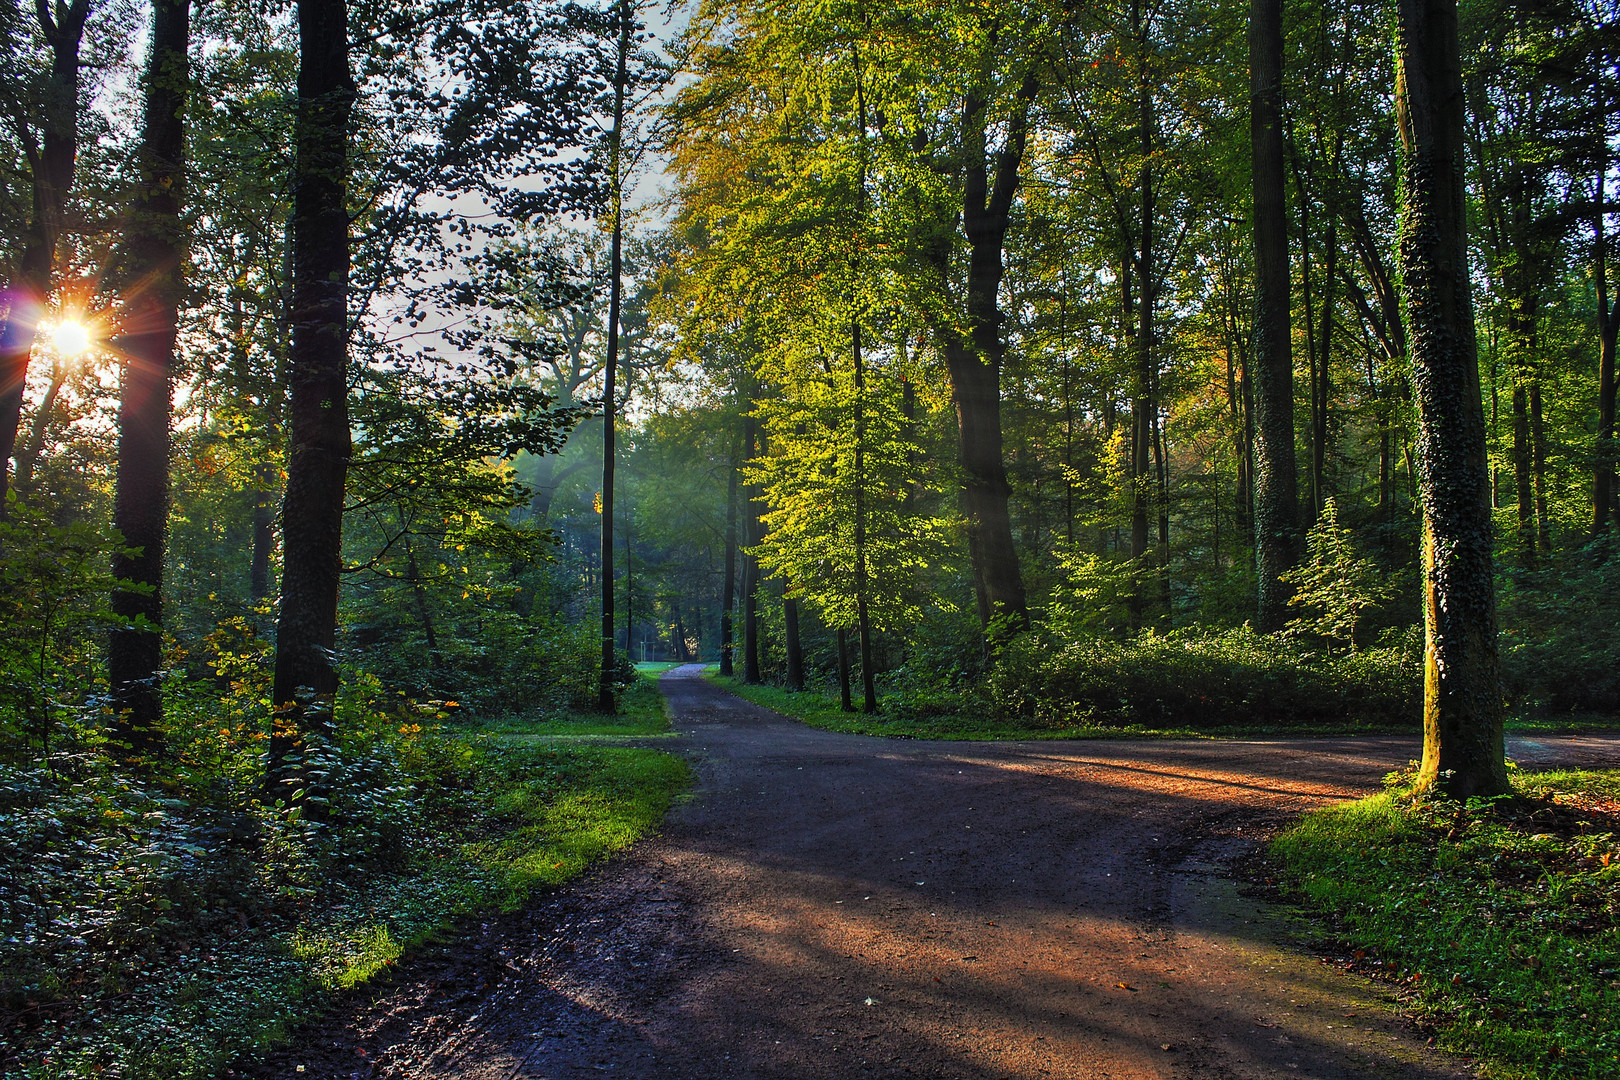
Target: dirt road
<point>837,906</point>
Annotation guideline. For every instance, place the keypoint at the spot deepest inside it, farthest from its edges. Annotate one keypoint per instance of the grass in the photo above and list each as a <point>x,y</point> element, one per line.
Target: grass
<point>1535,723</point>
<point>1499,924</point>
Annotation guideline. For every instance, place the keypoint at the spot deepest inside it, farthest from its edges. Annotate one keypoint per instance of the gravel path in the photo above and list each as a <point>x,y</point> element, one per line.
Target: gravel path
<point>838,906</point>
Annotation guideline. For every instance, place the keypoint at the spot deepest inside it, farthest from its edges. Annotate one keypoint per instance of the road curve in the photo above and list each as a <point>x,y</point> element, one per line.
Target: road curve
<point>830,906</point>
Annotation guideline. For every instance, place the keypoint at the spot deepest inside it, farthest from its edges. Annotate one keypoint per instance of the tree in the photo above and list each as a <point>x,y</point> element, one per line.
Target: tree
<point>48,126</point>
<point>985,180</point>
<point>1275,481</point>
<point>843,533</point>
<point>306,679</point>
<point>1334,580</point>
<point>154,284</point>
<point>605,697</point>
<point>1462,699</point>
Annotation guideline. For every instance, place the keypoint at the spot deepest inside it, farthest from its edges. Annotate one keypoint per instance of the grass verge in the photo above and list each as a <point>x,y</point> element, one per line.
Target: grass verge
<point>1499,923</point>
<point>491,821</point>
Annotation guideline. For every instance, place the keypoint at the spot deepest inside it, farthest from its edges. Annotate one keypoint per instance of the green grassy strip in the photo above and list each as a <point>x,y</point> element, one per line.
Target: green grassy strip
<point>1502,935</point>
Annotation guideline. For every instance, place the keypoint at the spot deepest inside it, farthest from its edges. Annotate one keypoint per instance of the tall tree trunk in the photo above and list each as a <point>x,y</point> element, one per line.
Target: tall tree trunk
<point>974,359</point>
<point>151,315</point>
<point>51,163</point>
<point>306,681</point>
<point>680,650</point>
<point>795,650</point>
<point>728,590</point>
<point>1538,468</point>
<point>264,533</point>
<point>1521,462</point>
<point>1605,504</point>
<point>605,700</point>
<point>753,532</point>
<point>1275,481</point>
<point>846,700</point>
<point>1144,406</point>
<point>1462,699</point>
<point>1321,451</point>
<point>863,619</point>
<point>28,454</point>
<point>423,612</point>
<point>1313,503</point>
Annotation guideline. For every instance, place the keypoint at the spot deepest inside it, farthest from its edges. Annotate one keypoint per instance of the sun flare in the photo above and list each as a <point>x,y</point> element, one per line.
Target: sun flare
<point>71,337</point>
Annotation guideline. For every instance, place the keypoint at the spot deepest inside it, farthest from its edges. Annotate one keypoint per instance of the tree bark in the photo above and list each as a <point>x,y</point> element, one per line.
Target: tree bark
<point>264,536</point>
<point>795,650</point>
<point>728,595</point>
<point>34,445</point>
<point>846,701</point>
<point>306,680</point>
<point>423,612</point>
<point>51,164</point>
<point>1605,505</point>
<point>1462,700</point>
<point>151,314</point>
<point>1521,468</point>
<point>1275,480</point>
<point>863,619</point>
<point>1144,404</point>
<point>1321,451</point>
<point>752,533</point>
<point>605,700</point>
<point>974,359</point>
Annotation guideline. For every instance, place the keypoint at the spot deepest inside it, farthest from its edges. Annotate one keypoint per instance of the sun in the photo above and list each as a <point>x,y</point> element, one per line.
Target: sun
<point>71,337</point>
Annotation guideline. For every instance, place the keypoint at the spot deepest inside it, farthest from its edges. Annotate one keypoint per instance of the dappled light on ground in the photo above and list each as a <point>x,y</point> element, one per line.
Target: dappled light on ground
<point>838,906</point>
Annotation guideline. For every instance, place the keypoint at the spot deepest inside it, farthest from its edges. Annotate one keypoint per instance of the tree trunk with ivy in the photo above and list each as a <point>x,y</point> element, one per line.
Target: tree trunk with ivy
<point>1276,495</point>
<point>1462,698</point>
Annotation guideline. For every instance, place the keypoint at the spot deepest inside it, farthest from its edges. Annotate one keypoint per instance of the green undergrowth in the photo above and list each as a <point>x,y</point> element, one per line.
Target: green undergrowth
<point>641,713</point>
<point>207,940</point>
<point>1498,921</point>
<point>915,717</point>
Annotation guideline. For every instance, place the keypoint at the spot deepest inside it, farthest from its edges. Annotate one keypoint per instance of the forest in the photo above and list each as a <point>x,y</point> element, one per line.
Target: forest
<point>390,391</point>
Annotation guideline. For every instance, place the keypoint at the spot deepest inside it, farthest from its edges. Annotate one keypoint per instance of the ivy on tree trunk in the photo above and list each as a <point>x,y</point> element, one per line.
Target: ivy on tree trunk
<point>1462,695</point>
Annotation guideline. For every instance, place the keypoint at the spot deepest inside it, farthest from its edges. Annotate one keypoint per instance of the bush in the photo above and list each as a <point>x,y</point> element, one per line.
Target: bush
<point>1560,640</point>
<point>1205,679</point>
<point>160,927</point>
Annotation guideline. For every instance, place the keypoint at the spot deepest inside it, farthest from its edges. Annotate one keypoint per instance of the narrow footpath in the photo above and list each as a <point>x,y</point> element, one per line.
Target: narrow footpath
<point>829,906</point>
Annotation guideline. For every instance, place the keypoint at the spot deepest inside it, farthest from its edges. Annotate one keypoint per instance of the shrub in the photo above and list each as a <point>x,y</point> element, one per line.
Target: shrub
<point>1205,679</point>
<point>1560,640</point>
